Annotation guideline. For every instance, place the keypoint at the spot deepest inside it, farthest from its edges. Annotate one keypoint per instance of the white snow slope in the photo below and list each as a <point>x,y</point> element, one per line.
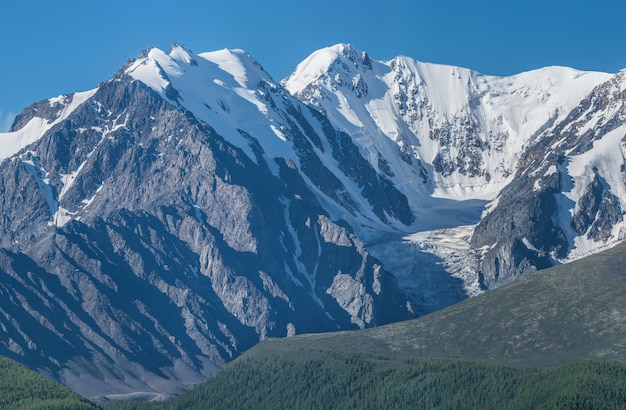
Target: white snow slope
<point>13,142</point>
<point>605,159</point>
<point>408,104</point>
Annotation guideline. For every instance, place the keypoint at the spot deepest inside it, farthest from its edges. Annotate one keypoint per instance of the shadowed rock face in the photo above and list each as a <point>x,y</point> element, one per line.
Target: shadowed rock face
<point>141,251</point>
<point>555,204</point>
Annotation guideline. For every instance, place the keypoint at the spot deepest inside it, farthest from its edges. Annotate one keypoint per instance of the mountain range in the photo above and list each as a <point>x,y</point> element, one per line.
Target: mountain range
<point>159,225</point>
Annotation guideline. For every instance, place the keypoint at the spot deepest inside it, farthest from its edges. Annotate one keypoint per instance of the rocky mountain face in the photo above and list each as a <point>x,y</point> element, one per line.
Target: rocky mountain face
<point>142,251</point>
<point>567,198</point>
<point>159,225</point>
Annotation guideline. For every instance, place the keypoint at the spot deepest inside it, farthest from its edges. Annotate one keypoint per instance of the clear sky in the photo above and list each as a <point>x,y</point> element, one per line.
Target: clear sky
<point>55,47</point>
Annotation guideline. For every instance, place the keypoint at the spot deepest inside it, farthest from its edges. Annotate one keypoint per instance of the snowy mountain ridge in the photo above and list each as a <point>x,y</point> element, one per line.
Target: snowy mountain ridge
<point>459,132</point>
<point>385,107</point>
<point>420,107</point>
<point>241,100</point>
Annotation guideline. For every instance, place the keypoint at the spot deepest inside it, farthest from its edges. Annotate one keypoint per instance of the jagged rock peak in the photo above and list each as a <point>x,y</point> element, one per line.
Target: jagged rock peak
<point>338,59</point>
<point>180,46</point>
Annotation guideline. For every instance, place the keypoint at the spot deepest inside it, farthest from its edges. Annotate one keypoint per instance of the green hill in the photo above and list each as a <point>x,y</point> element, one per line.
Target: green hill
<point>21,388</point>
<point>331,380</point>
<point>557,316</point>
<point>555,339</point>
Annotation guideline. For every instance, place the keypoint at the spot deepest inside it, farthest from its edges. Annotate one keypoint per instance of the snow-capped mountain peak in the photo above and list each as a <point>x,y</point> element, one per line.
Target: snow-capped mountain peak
<point>340,58</point>
<point>230,92</point>
<point>226,89</point>
<point>460,131</point>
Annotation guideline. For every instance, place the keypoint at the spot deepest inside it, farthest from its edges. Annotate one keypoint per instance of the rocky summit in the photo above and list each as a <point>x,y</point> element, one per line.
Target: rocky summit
<point>159,225</point>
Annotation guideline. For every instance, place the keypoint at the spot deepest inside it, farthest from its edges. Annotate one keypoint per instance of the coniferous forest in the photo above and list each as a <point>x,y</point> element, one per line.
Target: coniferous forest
<point>334,380</point>
<point>24,389</point>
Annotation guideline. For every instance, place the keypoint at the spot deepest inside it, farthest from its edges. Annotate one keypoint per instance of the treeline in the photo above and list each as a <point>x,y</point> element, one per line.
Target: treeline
<point>333,380</point>
<point>24,389</point>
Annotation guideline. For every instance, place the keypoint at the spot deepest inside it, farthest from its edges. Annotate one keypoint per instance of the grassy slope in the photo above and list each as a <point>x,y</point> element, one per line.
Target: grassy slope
<point>565,314</point>
<point>21,388</point>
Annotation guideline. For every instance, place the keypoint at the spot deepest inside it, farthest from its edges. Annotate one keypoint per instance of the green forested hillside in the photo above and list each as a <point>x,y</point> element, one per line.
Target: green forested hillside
<point>330,380</point>
<point>21,388</point>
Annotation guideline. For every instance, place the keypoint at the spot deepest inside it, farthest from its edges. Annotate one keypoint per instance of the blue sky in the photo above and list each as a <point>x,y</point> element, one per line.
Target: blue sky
<point>50,48</point>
